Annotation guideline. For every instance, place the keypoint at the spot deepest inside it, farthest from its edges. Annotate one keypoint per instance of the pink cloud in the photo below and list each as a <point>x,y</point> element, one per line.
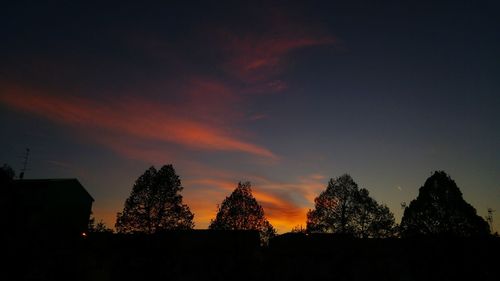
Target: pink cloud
<point>132,117</point>
<point>258,57</point>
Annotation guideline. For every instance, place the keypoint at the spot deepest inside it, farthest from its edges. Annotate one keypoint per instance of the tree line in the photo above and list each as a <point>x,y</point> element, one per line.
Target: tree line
<point>155,205</point>
<point>343,208</point>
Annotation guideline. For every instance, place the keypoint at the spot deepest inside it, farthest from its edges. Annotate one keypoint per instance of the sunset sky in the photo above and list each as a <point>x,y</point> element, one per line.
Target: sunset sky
<point>285,95</point>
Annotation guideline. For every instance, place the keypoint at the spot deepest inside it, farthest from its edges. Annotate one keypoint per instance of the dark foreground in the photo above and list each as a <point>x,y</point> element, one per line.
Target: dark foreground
<point>208,255</point>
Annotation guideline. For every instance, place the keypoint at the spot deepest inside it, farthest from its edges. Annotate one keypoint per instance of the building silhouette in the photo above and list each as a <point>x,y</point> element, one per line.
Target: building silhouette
<point>47,208</point>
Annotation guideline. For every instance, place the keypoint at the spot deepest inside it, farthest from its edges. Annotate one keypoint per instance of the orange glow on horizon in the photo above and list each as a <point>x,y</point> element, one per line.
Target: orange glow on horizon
<point>204,194</point>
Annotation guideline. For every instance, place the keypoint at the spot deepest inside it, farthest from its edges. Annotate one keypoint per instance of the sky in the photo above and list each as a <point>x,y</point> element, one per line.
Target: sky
<point>283,94</point>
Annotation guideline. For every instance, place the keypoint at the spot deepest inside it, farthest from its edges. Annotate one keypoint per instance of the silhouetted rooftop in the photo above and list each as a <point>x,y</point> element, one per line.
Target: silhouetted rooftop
<point>49,207</point>
<point>57,185</point>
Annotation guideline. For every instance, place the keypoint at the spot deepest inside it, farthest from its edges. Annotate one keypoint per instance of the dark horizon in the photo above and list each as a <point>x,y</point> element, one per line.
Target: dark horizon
<point>286,95</point>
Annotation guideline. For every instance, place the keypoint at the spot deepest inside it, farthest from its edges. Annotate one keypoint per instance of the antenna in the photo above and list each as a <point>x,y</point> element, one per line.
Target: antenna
<point>489,218</point>
<point>25,163</point>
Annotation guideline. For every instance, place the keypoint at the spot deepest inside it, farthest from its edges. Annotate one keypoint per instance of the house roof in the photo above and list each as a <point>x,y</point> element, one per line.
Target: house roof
<point>68,185</point>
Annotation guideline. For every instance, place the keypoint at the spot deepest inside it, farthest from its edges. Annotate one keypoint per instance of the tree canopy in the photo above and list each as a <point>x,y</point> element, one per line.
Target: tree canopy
<point>7,174</point>
<point>344,208</point>
<point>440,209</point>
<point>155,204</point>
<point>240,211</point>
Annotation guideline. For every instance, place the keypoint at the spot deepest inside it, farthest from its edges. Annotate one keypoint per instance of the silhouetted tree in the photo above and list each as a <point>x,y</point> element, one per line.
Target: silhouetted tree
<point>344,208</point>
<point>240,211</point>
<point>441,210</point>
<point>7,174</point>
<point>155,204</point>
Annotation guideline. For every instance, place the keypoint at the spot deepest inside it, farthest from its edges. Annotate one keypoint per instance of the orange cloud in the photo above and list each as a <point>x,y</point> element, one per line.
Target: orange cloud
<point>276,207</point>
<point>131,117</point>
<point>282,214</point>
<point>285,204</point>
<point>204,195</point>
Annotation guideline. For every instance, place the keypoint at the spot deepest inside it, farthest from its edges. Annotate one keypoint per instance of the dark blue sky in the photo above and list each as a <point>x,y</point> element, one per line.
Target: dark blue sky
<point>285,95</point>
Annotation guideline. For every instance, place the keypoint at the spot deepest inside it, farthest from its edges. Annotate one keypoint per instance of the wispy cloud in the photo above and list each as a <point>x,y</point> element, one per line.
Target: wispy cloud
<point>259,57</point>
<point>197,108</point>
<point>131,117</point>
<point>255,58</point>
